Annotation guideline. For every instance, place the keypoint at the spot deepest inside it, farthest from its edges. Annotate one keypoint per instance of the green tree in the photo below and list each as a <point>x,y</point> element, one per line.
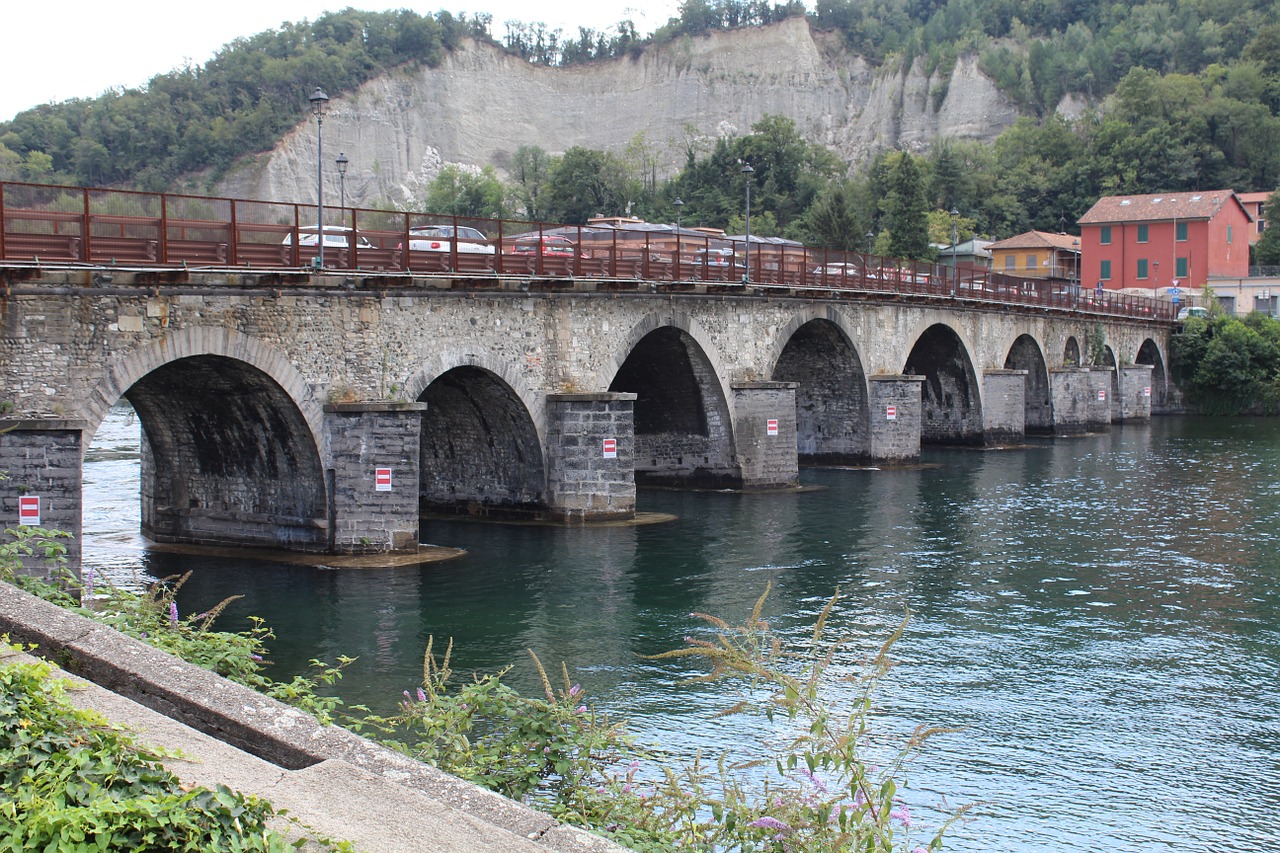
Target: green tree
<point>906,210</point>
<point>463,192</point>
<point>1267,249</point>
<point>585,183</point>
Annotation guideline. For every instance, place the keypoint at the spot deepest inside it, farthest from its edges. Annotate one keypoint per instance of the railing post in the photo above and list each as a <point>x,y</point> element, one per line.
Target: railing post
<point>4,221</point>
<point>85,253</point>
<point>163,253</point>
<point>354,240</point>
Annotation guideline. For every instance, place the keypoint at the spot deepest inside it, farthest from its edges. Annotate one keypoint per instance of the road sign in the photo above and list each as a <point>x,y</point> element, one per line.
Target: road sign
<point>610,448</point>
<point>890,413</point>
<point>1102,395</point>
<point>771,426</point>
<point>382,479</point>
<point>29,510</point>
<point>1146,392</point>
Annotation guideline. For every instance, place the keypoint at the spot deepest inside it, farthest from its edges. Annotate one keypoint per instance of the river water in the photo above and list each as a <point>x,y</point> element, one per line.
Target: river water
<point>1101,615</point>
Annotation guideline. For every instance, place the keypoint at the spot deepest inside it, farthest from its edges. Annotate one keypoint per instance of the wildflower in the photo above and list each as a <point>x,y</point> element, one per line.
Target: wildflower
<point>575,690</point>
<point>254,657</point>
<point>767,822</point>
<point>173,614</point>
<point>817,783</point>
<point>422,695</point>
<point>88,584</point>
<point>903,815</point>
<point>626,788</point>
<point>407,696</point>
<point>581,709</point>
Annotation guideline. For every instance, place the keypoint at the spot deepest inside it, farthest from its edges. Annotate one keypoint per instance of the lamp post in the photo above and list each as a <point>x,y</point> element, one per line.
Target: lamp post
<point>342,162</point>
<point>955,270</point>
<point>319,106</point>
<point>679,205</point>
<point>1155,277</point>
<point>747,172</point>
<point>870,237</point>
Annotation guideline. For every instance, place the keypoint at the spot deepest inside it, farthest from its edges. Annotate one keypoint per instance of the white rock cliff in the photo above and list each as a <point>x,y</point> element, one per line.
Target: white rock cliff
<point>481,104</point>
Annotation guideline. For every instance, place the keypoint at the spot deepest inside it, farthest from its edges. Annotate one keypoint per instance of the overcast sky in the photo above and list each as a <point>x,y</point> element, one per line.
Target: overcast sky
<point>79,49</point>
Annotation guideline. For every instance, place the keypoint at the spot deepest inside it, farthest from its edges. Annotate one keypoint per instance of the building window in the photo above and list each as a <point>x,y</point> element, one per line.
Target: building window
<point>1142,268</point>
<point>1142,233</point>
<point>1105,235</point>
<point>1228,233</point>
<point>1010,262</point>
<point>1181,228</point>
<point>1030,262</point>
<point>1182,267</point>
<point>1105,272</point>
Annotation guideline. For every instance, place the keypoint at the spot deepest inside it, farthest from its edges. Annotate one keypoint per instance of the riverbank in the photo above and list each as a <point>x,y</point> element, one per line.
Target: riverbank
<point>333,783</point>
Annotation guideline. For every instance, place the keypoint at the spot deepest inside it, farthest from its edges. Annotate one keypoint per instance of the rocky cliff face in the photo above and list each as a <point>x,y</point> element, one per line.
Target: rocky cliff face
<point>480,105</point>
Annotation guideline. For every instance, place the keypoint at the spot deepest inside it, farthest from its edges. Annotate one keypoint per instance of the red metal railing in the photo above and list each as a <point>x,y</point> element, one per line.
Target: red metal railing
<point>52,225</point>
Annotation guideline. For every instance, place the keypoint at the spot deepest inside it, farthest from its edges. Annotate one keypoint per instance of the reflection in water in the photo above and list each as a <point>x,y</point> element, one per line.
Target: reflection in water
<point>1101,614</point>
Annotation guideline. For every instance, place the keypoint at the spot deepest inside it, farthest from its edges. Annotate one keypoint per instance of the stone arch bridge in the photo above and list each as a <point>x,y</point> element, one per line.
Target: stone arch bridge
<point>323,415</point>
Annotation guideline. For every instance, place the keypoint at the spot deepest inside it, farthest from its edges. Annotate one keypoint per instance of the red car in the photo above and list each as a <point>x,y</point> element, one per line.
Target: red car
<point>553,246</point>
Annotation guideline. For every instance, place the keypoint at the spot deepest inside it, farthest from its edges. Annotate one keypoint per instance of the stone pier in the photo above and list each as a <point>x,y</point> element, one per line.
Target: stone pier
<point>1004,407</point>
<point>42,461</point>
<point>591,456</point>
<point>765,434</point>
<point>896,417</point>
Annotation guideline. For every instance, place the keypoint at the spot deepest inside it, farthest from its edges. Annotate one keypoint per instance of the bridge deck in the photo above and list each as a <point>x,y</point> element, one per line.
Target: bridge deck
<point>164,236</point>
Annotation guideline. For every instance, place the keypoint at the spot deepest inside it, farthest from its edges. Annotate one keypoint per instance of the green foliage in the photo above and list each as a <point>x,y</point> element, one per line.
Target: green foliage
<point>463,192</point>
<point>1267,249</point>
<point>1229,366</point>
<point>71,782</point>
<point>906,211</point>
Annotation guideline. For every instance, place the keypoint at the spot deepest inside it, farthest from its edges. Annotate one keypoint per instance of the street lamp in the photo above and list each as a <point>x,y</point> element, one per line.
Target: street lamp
<point>747,172</point>
<point>955,271</point>
<point>870,237</point>
<point>342,162</point>
<point>678,204</point>
<point>1155,277</point>
<point>319,106</point>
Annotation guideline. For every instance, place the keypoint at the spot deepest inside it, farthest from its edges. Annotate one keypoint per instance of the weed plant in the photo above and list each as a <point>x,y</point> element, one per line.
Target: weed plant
<point>806,787</point>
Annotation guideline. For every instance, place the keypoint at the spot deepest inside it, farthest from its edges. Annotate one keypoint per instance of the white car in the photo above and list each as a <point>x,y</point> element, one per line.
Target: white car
<point>838,269</point>
<point>336,237</point>
<point>1192,311</point>
<point>442,238</point>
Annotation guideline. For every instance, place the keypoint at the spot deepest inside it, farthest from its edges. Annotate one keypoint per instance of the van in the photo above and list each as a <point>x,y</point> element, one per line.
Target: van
<point>1193,311</point>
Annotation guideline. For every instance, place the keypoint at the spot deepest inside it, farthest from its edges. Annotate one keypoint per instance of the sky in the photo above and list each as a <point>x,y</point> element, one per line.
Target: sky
<point>78,49</point>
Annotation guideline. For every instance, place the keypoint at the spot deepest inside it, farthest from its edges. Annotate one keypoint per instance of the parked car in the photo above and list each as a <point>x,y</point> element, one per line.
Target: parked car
<point>1192,311</point>
<point>717,258</point>
<point>442,238</point>
<point>839,268</point>
<point>551,245</point>
<point>335,236</point>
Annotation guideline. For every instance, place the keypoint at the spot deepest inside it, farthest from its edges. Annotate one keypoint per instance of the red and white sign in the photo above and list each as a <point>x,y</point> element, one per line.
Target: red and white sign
<point>29,510</point>
<point>1146,392</point>
<point>890,413</point>
<point>1102,395</point>
<point>771,426</point>
<point>610,448</point>
<point>382,479</point>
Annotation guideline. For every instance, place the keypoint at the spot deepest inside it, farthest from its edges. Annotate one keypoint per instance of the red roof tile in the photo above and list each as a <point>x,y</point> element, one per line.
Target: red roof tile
<point>1161,206</point>
<point>1038,240</point>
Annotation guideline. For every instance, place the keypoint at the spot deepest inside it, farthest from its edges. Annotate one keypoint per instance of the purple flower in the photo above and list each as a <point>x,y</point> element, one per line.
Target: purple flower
<point>255,657</point>
<point>767,822</point>
<point>818,784</point>
<point>173,614</point>
<point>581,709</point>
<point>88,584</point>
<point>422,695</point>
<point>575,690</point>
<point>407,696</point>
<point>903,815</point>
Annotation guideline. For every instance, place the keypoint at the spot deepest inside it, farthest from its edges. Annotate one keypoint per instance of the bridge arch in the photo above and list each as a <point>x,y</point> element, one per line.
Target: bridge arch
<point>951,411</point>
<point>1027,354</point>
<point>683,425</point>
<point>480,449</point>
<point>122,371</point>
<point>832,410</point>
<point>1071,352</point>
<point>229,445</point>
<point>1149,353</point>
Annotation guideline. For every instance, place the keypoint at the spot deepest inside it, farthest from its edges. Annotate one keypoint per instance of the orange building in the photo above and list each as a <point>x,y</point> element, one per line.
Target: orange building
<point>1255,204</point>
<point>1037,254</point>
